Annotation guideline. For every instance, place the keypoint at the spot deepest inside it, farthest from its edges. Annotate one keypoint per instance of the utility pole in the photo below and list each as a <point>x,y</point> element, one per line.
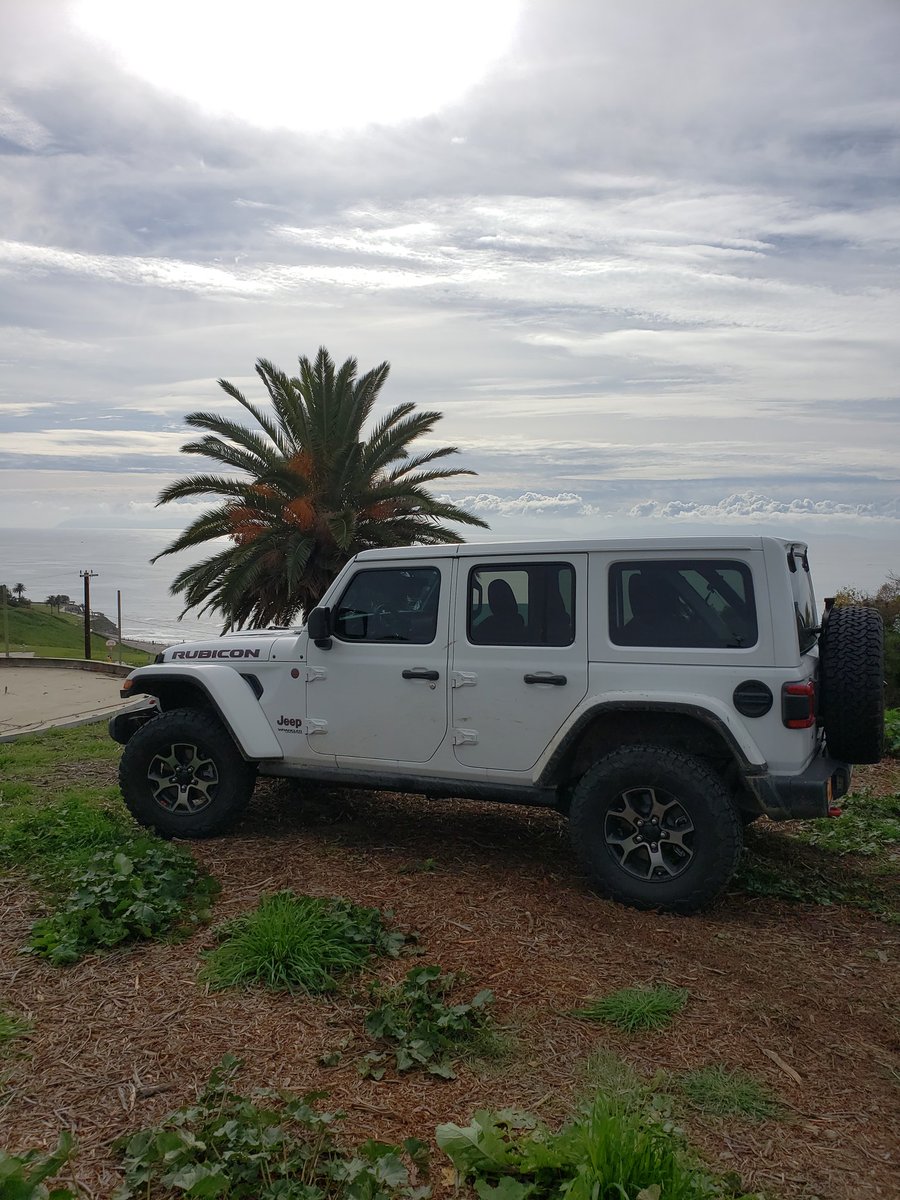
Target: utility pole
<point>5,618</point>
<point>87,576</point>
<point>119,621</point>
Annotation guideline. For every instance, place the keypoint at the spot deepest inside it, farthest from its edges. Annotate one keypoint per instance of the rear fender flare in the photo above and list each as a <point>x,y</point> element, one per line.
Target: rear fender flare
<point>228,694</point>
<point>744,753</point>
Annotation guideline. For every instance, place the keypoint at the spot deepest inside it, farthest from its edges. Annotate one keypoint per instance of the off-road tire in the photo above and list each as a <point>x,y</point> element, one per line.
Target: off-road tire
<point>851,684</point>
<point>222,793</point>
<point>681,781</point>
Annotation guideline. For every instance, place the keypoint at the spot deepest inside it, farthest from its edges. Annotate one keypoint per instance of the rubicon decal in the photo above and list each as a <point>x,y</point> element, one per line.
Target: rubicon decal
<point>289,722</point>
<point>215,654</point>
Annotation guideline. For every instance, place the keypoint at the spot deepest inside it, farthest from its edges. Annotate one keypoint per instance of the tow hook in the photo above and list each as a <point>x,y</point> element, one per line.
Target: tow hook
<point>834,811</point>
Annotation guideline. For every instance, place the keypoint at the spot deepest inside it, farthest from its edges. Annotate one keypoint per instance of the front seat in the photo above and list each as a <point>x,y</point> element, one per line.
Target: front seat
<point>505,623</point>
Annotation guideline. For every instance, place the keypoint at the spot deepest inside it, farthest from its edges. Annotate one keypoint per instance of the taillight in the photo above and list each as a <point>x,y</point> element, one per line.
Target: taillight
<point>798,704</point>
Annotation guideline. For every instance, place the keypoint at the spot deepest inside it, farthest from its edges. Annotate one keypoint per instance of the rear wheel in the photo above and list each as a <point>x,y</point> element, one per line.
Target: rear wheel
<point>851,684</point>
<point>656,828</point>
<point>182,774</point>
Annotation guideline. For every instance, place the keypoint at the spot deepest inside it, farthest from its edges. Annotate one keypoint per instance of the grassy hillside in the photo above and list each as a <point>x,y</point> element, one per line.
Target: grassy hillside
<point>58,635</point>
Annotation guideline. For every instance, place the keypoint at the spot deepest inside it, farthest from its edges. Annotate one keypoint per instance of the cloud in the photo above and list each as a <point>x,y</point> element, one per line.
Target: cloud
<point>529,503</point>
<point>751,506</point>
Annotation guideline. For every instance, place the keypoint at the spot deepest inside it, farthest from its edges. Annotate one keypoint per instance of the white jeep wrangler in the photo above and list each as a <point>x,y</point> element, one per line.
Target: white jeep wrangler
<point>660,692</point>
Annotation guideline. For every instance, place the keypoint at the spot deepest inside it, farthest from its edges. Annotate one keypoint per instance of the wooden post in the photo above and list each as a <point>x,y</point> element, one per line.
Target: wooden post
<point>87,576</point>
<point>119,621</point>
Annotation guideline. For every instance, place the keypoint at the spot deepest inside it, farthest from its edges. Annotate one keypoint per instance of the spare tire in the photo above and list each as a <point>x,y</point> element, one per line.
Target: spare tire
<point>851,683</point>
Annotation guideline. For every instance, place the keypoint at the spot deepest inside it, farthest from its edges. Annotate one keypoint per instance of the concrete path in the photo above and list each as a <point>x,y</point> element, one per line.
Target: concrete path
<point>35,698</point>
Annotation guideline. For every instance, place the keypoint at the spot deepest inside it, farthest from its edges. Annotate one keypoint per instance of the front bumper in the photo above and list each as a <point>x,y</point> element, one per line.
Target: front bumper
<point>805,796</point>
<point>124,724</point>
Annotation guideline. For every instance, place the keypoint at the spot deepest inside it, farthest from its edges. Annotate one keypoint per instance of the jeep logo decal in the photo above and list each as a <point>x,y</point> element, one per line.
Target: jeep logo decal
<point>215,654</point>
<point>289,722</point>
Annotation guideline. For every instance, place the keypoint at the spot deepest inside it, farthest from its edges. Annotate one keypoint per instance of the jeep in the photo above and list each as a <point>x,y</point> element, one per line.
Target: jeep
<point>661,693</point>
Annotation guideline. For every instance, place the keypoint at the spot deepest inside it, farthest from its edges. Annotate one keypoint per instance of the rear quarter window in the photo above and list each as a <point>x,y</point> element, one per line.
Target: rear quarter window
<point>682,603</point>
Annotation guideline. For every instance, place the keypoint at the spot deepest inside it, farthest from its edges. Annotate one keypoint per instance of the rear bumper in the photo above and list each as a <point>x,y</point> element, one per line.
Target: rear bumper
<point>805,796</point>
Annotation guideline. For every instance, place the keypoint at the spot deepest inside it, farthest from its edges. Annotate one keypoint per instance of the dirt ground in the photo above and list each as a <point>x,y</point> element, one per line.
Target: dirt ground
<point>804,997</point>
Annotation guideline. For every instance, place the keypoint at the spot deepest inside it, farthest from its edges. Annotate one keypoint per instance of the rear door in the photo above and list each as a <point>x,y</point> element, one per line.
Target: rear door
<point>519,664</point>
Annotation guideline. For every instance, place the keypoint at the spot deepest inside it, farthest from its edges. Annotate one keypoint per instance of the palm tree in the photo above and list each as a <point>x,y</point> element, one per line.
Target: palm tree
<point>19,589</point>
<point>307,492</point>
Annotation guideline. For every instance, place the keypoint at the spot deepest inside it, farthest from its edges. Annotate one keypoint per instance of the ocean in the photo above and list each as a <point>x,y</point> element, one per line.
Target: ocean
<point>48,562</point>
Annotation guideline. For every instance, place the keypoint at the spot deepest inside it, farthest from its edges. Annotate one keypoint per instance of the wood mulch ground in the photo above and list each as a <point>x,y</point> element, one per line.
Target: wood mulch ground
<point>804,997</point>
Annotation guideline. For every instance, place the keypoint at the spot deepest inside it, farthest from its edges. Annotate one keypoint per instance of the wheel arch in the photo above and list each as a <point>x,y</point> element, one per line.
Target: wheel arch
<point>219,689</point>
<point>606,726</point>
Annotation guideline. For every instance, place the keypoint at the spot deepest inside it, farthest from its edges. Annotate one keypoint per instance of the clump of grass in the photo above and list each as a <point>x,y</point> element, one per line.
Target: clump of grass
<point>297,943</point>
<point>780,865</point>
<point>604,1073</point>
<point>54,841</point>
<point>11,1027</point>
<point>144,890</point>
<point>636,1008</point>
<point>728,1093</point>
<point>868,825</point>
<point>273,1146</point>
<point>425,1030</point>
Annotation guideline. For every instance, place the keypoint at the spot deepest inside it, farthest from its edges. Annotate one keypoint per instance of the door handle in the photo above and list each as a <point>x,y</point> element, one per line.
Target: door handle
<point>556,680</point>
<point>421,673</point>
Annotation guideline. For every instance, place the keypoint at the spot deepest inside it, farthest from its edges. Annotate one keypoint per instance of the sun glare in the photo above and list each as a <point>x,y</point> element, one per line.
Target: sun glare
<point>310,65</point>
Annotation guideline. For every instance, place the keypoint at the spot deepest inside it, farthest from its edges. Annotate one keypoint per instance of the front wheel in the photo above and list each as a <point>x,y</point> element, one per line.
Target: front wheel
<point>656,828</point>
<point>182,775</point>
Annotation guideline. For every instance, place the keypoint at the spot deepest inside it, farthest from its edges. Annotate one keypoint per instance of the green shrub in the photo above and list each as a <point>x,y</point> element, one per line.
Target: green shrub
<point>423,1029</point>
<point>298,944</point>
<point>273,1147</point>
<point>636,1008</point>
<point>144,890</point>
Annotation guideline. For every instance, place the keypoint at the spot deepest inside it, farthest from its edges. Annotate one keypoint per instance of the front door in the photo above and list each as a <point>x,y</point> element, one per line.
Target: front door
<point>519,656</point>
<point>380,692</point>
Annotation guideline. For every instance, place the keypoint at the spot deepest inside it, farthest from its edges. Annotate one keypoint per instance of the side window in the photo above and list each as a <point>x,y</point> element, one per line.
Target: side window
<point>522,604</point>
<point>389,605</point>
<point>682,603</point>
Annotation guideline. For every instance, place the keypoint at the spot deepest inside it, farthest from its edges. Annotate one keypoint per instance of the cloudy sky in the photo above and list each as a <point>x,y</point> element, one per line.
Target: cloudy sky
<point>644,256</point>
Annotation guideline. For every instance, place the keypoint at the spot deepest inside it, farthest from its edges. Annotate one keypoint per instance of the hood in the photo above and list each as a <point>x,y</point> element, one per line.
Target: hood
<point>236,648</point>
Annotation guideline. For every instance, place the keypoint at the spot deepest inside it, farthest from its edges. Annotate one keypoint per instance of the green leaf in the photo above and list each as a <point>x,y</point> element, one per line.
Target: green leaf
<point>123,864</point>
<point>506,1188</point>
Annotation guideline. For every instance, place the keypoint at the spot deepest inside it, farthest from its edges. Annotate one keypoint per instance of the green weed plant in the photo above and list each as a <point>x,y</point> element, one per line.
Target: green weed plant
<point>612,1150</point>
<point>24,1176</point>
<point>273,1146</point>
<point>145,890</point>
<point>637,1008</point>
<point>423,1029</point>
<point>296,943</point>
<point>892,732</point>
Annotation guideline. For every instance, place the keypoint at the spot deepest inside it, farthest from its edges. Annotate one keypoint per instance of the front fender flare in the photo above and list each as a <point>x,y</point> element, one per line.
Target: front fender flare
<point>230,696</point>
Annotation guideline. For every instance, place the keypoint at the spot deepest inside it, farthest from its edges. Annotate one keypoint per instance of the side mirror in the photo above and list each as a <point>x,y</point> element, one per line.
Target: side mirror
<point>318,624</point>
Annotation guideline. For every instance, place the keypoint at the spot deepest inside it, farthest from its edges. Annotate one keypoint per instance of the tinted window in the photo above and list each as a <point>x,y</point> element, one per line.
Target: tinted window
<point>804,601</point>
<point>522,604</point>
<point>682,603</point>
<point>389,605</point>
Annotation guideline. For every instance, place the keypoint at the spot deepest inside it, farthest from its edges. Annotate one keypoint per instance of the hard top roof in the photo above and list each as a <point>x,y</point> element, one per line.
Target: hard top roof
<point>730,542</point>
